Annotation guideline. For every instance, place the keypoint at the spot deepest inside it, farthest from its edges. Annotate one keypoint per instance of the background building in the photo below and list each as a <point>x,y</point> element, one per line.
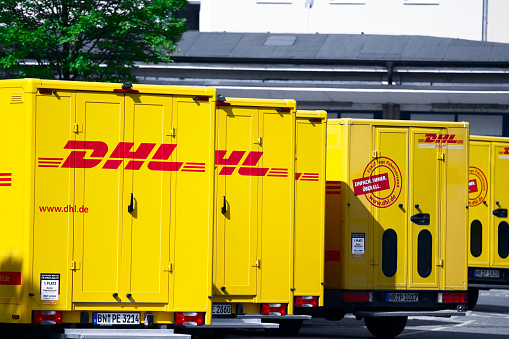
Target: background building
<point>463,19</point>
<point>417,59</point>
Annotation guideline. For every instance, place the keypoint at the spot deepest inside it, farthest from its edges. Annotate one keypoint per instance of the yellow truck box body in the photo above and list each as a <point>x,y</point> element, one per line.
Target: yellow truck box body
<point>255,169</point>
<point>310,204</point>
<point>110,198</point>
<point>488,228</point>
<point>395,202</point>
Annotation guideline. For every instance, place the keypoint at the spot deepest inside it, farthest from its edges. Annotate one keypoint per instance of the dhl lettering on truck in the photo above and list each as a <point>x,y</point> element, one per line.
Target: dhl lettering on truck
<point>122,152</point>
<point>441,141</point>
<point>90,154</point>
<point>504,154</point>
<point>228,165</point>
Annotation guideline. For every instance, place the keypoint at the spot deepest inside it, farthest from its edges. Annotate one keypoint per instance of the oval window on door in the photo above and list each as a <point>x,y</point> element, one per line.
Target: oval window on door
<point>389,252</point>
<point>503,239</point>
<point>424,253</point>
<point>476,238</point>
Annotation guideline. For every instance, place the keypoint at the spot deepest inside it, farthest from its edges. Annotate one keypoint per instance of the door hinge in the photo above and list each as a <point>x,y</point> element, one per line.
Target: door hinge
<point>77,128</point>
<point>374,261</point>
<point>440,262</point>
<point>441,156</point>
<point>75,265</point>
<point>168,267</point>
<point>256,263</point>
<point>376,154</point>
<point>257,140</point>
<point>171,132</point>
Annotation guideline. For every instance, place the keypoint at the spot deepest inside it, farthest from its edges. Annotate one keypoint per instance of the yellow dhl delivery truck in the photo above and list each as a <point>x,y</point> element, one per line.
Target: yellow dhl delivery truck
<point>110,197</point>
<point>488,228</point>
<point>256,230</point>
<point>396,206</point>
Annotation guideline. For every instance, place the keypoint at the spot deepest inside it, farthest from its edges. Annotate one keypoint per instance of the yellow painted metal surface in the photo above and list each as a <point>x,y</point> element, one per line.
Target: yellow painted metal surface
<point>311,130</point>
<point>381,174</point>
<point>110,196</point>
<point>253,245</point>
<point>489,165</point>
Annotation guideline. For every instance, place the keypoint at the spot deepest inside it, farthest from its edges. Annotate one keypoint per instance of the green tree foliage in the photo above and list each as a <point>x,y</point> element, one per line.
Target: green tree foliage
<point>95,40</point>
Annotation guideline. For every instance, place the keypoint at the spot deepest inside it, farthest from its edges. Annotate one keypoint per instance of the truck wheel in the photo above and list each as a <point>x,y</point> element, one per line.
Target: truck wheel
<point>385,327</point>
<point>473,296</point>
<point>287,328</point>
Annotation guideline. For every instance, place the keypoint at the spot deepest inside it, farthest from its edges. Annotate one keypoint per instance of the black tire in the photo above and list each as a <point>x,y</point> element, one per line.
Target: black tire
<point>385,327</point>
<point>473,296</point>
<point>287,328</point>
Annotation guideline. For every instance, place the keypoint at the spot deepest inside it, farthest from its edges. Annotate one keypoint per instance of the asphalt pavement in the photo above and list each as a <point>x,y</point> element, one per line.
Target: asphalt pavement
<point>489,320</point>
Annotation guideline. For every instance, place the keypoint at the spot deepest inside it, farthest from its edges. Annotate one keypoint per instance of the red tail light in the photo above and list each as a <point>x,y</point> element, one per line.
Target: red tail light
<point>274,309</point>
<point>189,318</point>
<point>452,298</point>
<point>356,297</point>
<point>306,301</point>
<point>47,317</point>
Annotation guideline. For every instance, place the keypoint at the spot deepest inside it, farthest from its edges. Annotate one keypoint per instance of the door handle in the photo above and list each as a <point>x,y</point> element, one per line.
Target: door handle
<point>421,219</point>
<point>130,208</point>
<point>223,209</point>
<point>500,212</point>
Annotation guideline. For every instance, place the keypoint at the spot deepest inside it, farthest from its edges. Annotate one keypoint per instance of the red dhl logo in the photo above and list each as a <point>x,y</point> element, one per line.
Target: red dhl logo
<point>5,179</point>
<point>122,152</point>
<point>505,151</point>
<point>228,166</point>
<point>333,187</point>
<point>97,151</point>
<point>441,139</point>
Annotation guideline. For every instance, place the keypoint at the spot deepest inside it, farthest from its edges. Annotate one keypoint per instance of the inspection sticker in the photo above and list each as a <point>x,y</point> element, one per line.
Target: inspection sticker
<point>358,245</point>
<point>50,287</point>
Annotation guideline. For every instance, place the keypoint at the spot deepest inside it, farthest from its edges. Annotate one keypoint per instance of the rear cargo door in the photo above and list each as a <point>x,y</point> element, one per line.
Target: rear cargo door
<point>146,198</point>
<point>386,191</point>
<point>55,208</point>
<point>426,168</point>
<point>309,211</point>
<point>99,190</point>
<point>238,171</point>
<point>479,204</point>
<point>276,199</point>
<point>500,205</point>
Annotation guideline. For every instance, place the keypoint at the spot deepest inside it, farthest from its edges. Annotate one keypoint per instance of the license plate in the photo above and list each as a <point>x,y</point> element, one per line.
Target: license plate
<point>221,309</point>
<point>402,297</point>
<point>116,319</point>
<point>487,273</point>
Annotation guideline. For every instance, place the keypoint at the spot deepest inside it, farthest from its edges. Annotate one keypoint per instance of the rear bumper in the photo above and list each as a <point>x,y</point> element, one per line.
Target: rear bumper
<point>488,282</point>
<point>427,301</point>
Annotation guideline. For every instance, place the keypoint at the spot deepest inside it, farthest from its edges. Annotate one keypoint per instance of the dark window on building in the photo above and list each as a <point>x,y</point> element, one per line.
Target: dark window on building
<point>192,14</point>
<point>389,252</point>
